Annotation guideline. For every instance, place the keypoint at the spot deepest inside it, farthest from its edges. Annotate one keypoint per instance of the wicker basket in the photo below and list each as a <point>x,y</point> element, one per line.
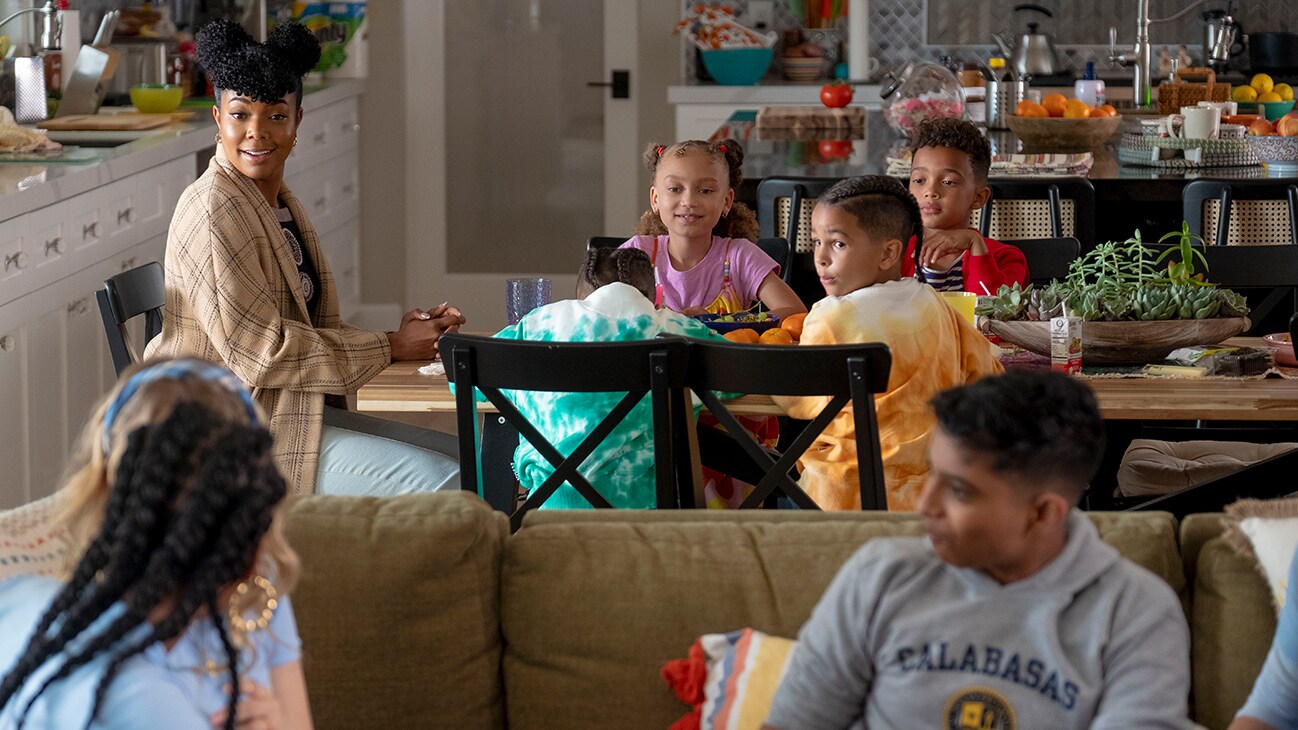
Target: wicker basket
<point>1172,95</point>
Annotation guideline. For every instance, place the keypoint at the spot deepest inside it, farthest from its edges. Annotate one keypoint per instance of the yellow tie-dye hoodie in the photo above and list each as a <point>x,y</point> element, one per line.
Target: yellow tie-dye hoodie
<point>933,349</point>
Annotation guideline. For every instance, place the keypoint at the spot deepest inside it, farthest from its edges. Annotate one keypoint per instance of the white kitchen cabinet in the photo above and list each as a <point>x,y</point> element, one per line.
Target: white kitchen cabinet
<point>54,360</point>
<point>324,174</point>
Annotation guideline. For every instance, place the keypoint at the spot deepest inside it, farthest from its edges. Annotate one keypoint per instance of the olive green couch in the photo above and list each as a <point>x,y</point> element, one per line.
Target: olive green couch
<point>423,612</point>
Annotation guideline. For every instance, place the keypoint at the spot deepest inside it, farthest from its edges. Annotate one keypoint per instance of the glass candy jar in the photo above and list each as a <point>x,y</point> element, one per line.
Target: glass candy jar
<point>922,91</point>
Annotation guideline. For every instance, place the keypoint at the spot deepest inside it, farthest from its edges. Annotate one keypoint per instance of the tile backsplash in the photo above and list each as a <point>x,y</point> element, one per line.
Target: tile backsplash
<point>902,31</point>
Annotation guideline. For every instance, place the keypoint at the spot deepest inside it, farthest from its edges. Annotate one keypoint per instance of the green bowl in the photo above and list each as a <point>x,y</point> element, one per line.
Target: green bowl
<point>156,98</point>
<point>1272,110</point>
<point>738,66</point>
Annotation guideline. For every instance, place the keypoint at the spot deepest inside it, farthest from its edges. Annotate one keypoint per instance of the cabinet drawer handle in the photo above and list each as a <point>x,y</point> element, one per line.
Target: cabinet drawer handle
<point>78,308</point>
<point>54,244</point>
<point>7,343</point>
<point>90,231</point>
<point>320,202</point>
<point>126,214</point>
<point>319,138</point>
<point>347,127</point>
<point>128,263</point>
<point>16,260</point>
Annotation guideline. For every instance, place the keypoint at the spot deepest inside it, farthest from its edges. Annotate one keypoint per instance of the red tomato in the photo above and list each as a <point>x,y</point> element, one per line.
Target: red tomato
<point>835,149</point>
<point>835,95</point>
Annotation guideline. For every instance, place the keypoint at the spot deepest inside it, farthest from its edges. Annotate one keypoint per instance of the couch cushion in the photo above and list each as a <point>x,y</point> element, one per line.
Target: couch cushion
<point>1231,625</point>
<point>594,603</point>
<point>399,609</point>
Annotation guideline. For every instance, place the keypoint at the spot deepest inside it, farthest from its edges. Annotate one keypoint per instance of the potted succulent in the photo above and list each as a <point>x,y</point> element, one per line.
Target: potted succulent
<point>1138,304</point>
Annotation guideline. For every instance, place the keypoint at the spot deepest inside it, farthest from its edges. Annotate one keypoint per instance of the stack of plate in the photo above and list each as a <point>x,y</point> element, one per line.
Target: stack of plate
<point>808,68</point>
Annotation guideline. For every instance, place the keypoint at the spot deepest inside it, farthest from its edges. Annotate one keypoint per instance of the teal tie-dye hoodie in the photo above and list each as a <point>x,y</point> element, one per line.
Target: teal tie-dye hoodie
<point>622,467</point>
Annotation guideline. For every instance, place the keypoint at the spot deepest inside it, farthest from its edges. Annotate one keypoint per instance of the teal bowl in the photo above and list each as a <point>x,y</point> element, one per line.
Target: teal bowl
<point>1272,110</point>
<point>738,66</point>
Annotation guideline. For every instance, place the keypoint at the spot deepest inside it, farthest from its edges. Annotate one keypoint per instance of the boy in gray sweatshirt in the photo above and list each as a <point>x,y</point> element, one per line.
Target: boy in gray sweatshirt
<point>1011,613</point>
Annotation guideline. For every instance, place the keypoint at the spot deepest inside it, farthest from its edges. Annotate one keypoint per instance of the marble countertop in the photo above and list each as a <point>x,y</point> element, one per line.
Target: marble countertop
<point>775,92</point>
<point>30,185</point>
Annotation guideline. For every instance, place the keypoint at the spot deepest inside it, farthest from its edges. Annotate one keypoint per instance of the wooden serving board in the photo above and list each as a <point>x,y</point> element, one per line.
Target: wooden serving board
<point>107,122</point>
<point>810,117</point>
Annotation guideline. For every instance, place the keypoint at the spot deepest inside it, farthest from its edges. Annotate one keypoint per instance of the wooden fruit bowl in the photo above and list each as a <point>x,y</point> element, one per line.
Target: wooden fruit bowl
<point>1059,134</point>
<point>1125,343</point>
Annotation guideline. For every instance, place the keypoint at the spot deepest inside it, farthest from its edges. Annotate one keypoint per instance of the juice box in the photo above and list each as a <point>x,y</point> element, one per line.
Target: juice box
<point>1066,344</point>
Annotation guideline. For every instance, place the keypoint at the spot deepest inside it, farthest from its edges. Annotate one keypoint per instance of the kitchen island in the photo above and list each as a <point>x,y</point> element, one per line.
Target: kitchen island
<point>1129,197</point>
<point>65,226</point>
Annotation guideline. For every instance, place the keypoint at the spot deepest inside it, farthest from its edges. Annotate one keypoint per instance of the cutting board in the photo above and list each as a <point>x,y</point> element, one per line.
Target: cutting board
<point>107,122</point>
<point>813,117</point>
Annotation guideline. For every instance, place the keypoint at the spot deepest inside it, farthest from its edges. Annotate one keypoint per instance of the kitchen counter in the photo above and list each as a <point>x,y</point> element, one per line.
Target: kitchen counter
<point>30,185</point>
<point>1131,197</point>
<point>766,93</point>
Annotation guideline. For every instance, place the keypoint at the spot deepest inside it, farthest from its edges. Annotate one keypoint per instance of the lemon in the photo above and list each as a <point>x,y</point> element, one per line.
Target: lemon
<point>1269,96</point>
<point>1285,91</point>
<point>1262,83</point>
<point>1244,94</point>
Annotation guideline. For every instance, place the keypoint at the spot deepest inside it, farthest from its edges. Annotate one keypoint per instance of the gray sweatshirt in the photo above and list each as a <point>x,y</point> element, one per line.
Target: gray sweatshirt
<point>904,640</point>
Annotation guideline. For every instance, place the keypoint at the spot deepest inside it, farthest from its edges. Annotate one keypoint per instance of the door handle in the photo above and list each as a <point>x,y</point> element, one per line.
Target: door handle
<point>620,83</point>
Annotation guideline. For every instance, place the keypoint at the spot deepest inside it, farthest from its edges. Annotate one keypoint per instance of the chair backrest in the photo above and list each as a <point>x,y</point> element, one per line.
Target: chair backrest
<point>784,206</point>
<point>1048,258</point>
<point>141,290</point>
<point>654,367</point>
<point>846,373</point>
<point>1256,212</point>
<point>1266,275</point>
<point>604,242</point>
<point>1028,208</point>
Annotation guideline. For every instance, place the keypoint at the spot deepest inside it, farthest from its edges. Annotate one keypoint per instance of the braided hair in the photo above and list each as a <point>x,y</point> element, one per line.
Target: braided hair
<point>265,72</point>
<point>882,206</point>
<point>740,222</point>
<point>609,265</point>
<point>192,496</point>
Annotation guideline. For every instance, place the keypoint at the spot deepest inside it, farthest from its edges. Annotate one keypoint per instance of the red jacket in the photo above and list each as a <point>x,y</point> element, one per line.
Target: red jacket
<point>1002,264</point>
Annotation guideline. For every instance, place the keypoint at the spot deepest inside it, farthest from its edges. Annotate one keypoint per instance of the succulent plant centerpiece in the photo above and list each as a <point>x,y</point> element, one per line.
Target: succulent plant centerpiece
<point>1118,285</point>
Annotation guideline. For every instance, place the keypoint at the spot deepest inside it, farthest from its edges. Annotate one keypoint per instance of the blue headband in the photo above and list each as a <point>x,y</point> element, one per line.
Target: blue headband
<point>179,370</point>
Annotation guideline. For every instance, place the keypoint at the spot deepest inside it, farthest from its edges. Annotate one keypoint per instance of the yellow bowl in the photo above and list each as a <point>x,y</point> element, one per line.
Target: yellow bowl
<point>156,98</point>
<point>1063,134</point>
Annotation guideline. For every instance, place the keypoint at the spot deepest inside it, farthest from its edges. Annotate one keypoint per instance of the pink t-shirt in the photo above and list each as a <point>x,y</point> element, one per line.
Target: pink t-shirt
<point>701,285</point>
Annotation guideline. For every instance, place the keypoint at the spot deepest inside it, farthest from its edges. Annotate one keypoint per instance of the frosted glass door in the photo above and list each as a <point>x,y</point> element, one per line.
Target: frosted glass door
<point>525,134</point>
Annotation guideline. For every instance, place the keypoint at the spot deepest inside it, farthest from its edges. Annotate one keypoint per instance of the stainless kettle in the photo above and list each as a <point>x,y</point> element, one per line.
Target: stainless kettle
<point>1034,53</point>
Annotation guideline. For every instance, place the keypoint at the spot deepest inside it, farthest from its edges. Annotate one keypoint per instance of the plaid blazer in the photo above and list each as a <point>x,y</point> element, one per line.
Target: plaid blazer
<point>234,297</point>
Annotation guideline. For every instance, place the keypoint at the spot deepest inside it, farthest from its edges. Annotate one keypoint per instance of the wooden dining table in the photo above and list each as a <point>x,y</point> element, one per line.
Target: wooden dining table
<point>401,388</point>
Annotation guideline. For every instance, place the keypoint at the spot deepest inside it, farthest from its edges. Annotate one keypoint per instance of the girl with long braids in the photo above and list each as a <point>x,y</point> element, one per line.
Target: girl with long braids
<point>249,287</point>
<point>615,289</point>
<point>175,588</point>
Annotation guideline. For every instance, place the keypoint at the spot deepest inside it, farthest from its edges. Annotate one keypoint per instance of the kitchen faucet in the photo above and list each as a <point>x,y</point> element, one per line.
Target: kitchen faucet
<point>1139,58</point>
<point>50,28</point>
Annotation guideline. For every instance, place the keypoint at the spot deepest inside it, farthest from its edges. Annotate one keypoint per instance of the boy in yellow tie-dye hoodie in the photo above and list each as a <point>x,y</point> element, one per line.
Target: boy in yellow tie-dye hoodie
<point>859,228</point>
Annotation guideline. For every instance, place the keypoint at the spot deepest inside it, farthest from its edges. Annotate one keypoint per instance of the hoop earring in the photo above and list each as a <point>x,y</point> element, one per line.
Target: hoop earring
<point>218,139</point>
<point>248,625</point>
<point>295,141</point>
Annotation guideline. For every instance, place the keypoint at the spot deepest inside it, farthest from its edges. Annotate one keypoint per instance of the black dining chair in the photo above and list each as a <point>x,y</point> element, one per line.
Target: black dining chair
<point>848,374</point>
<point>1048,258</point>
<point>653,368</point>
<point>1267,277</point>
<point>784,206</point>
<point>1034,208</point>
<point>1242,212</point>
<point>138,291</point>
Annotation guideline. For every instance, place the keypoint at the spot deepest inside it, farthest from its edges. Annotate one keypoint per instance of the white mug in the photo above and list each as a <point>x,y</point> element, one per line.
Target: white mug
<point>1195,123</point>
<point>1227,108</point>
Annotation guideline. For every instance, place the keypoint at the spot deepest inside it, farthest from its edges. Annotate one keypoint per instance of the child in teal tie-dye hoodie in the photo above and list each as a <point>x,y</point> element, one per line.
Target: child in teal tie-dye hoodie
<point>615,290</point>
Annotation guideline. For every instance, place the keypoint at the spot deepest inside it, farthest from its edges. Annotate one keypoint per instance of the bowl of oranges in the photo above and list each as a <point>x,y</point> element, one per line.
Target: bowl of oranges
<point>1061,124</point>
<point>1265,97</point>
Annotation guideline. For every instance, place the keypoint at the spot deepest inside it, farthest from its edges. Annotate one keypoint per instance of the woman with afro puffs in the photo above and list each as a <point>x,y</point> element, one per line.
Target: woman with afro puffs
<point>249,287</point>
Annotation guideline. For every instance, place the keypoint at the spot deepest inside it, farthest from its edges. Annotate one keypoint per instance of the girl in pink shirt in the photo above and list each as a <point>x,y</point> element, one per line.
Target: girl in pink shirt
<point>700,239</point>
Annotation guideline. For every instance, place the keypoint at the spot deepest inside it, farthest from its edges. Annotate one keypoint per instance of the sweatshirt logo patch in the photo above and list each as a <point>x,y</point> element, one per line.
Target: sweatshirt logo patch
<point>978,708</point>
